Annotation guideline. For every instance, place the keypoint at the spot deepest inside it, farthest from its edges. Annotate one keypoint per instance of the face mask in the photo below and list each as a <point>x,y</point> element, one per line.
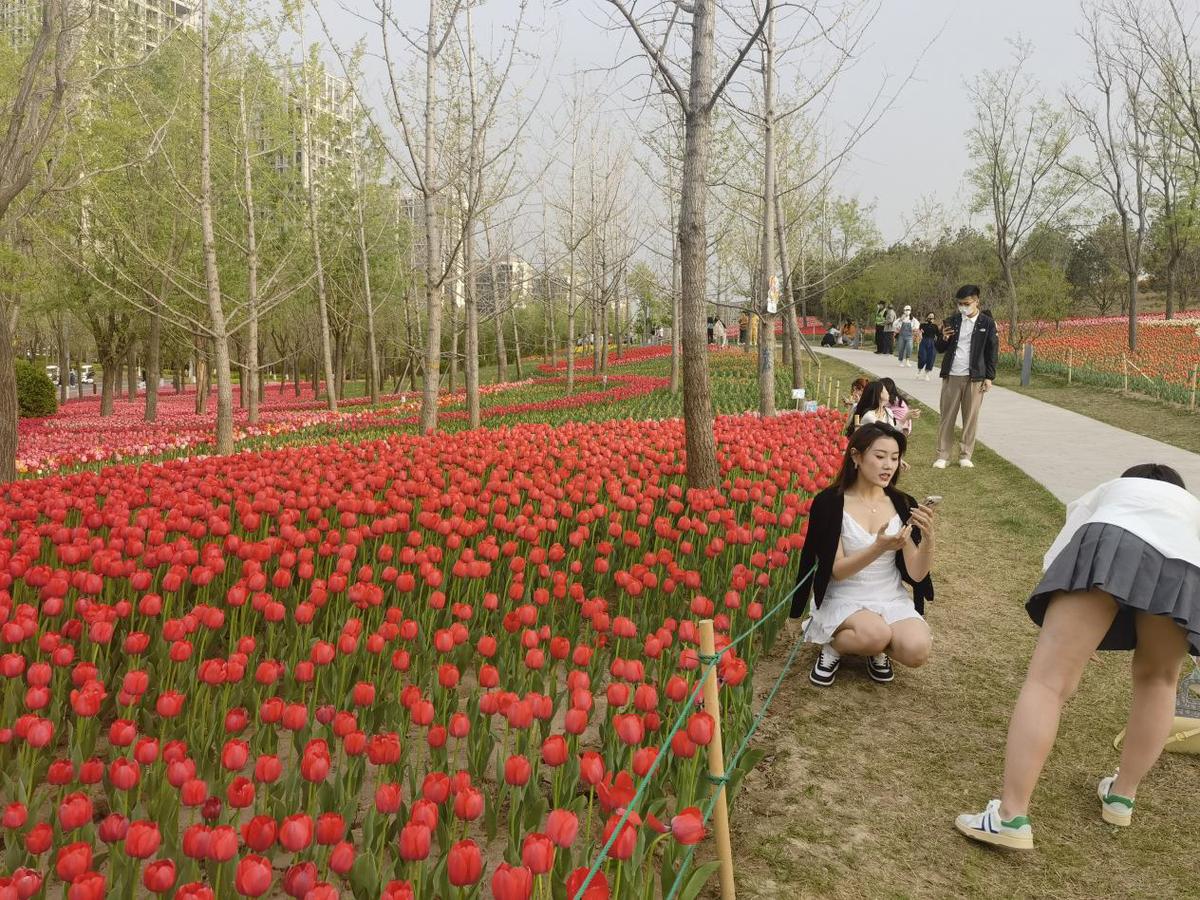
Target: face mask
<point>964,309</point>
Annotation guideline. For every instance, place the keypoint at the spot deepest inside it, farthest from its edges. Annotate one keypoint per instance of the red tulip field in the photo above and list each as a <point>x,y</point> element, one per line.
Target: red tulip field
<point>412,666</point>
<point>1097,350</point>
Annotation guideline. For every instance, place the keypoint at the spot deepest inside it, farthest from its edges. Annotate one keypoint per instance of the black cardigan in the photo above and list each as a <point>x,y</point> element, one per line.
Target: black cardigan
<point>821,543</point>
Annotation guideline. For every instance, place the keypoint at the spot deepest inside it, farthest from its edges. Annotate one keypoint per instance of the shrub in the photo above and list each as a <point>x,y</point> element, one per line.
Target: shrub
<point>36,393</point>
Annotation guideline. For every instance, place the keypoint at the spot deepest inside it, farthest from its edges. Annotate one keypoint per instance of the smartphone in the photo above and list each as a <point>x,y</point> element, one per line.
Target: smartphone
<point>931,501</point>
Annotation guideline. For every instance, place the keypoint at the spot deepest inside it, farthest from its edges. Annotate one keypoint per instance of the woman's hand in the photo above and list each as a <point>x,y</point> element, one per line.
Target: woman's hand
<point>904,466</point>
<point>914,413</point>
<point>922,517</point>
<point>892,542</point>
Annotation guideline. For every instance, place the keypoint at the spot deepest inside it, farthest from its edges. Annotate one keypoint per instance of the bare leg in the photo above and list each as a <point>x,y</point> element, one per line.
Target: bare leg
<point>911,643</point>
<point>862,634</point>
<point>1161,646</point>
<point>1075,624</point>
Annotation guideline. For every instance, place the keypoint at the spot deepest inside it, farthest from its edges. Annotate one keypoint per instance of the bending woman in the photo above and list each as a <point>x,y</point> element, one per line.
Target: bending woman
<point>1123,574</point>
<point>866,538</point>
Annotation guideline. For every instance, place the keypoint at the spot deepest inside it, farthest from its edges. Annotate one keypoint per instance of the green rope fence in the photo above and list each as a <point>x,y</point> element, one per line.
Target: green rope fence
<point>709,663</point>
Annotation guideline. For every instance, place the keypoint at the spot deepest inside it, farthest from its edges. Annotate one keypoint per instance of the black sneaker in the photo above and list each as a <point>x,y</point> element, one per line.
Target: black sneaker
<point>880,668</point>
<point>824,670</point>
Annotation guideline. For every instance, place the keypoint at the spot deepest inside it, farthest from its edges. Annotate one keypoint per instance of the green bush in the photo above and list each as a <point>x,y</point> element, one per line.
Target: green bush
<point>36,394</point>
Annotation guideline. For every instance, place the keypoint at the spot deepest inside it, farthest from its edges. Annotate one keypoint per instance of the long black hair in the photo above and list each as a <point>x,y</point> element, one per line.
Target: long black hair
<point>894,395</point>
<point>861,440</point>
<point>868,402</point>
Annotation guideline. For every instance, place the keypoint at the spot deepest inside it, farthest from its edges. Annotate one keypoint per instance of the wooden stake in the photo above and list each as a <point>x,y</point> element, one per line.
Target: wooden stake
<point>837,392</point>
<point>1125,370</point>
<point>716,764</point>
<point>1195,374</point>
<point>1070,364</point>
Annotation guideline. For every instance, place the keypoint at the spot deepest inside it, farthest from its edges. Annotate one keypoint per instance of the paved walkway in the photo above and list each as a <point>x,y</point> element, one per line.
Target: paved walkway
<point>1067,453</point>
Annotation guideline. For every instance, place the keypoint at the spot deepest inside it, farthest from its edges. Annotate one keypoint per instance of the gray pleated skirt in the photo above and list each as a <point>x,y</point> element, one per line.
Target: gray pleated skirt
<point>1137,576</point>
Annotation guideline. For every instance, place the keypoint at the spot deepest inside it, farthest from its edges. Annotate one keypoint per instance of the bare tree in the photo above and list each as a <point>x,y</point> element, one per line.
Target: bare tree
<point>1118,128</point>
<point>697,103</point>
<point>32,115</point>
<point>1016,144</point>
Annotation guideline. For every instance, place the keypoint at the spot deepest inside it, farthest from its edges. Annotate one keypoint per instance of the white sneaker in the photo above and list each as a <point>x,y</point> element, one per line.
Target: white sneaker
<point>824,670</point>
<point>940,463</point>
<point>879,667</point>
<point>987,827</point>
<point>966,463</point>
<point>1114,809</point>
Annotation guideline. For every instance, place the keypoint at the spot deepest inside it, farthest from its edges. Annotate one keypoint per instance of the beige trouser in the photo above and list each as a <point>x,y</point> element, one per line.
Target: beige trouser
<point>959,392</point>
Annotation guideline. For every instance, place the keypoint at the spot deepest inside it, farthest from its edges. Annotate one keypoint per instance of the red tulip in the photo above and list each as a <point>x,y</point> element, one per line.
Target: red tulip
<point>296,832</point>
<point>27,882</point>
<point>15,816</point>
<point>464,864</point>
<point>87,886</point>
<point>554,750</point>
<point>537,853</point>
<point>267,769</point>
<point>222,843</point>
<point>196,841</point>
<point>562,827</point>
<point>414,842</point>
<point>113,828</point>
<point>124,774</point>
<point>341,858</point>
<point>436,787</point>
<point>194,890</point>
<point>74,811</point>
<point>597,888</point>
<point>517,771</point>
<point>512,882</point>
<point>240,793</point>
<point>468,804</point>
<point>299,879</point>
<point>253,876</point>
<point>234,755</point>
<point>142,839</point>
<point>700,728</point>
<point>591,768</point>
<point>331,828</point>
<point>387,798</point>
<point>159,876</point>
<point>397,890</point>
<point>259,833</point>
<point>73,860</point>
<point>687,826</point>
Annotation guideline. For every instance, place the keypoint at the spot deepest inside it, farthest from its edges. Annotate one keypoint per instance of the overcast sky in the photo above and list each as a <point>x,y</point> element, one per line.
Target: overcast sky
<point>916,153</point>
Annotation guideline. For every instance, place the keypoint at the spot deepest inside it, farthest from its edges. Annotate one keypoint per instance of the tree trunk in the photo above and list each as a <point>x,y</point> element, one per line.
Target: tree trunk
<point>64,364</point>
<point>452,380</point>
<point>702,468</point>
<point>310,197</point>
<point>153,362</point>
<point>216,310</point>
<point>676,312</point>
<point>9,410</point>
<point>1172,265</point>
<point>108,384</point>
<point>792,330</point>
<point>250,386</point>
<point>512,311</point>
<point>131,371</point>
<point>368,301</point>
<point>472,339</point>
<point>766,343</point>
<point>433,250</point>
<point>1133,310</point>
<point>1013,306</point>
<point>497,307</point>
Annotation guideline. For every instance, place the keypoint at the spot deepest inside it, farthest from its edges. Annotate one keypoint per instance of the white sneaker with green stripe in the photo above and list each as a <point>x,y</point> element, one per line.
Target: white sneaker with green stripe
<point>1114,809</point>
<point>987,827</point>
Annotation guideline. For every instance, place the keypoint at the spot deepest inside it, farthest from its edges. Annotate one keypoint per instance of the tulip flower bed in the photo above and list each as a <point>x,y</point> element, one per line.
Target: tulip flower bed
<point>629,356</point>
<point>420,666</point>
<point>1168,350</point>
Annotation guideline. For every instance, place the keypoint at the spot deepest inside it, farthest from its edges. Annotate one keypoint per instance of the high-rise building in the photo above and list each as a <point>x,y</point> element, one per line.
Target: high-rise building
<point>513,286</point>
<point>118,27</point>
<point>333,111</point>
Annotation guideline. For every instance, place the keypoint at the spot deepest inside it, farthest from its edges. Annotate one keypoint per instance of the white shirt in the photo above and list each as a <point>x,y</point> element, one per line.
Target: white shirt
<point>961,364</point>
<point>1164,516</point>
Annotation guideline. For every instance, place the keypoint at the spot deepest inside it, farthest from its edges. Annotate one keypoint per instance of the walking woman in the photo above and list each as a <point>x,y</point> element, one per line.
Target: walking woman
<point>1123,574</point>
<point>927,349</point>
<point>867,538</point>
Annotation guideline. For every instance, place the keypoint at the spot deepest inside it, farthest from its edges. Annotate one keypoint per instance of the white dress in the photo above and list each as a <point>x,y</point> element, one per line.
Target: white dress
<point>875,588</point>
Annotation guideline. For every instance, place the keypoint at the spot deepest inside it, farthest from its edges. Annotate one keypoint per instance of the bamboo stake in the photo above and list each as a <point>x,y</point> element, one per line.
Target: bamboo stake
<point>1125,370</point>
<point>716,764</point>
<point>837,392</point>
<point>1195,374</point>
<point>1070,364</point>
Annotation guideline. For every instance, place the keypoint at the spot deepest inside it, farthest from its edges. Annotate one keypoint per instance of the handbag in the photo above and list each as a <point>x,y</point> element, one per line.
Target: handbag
<point>1185,733</point>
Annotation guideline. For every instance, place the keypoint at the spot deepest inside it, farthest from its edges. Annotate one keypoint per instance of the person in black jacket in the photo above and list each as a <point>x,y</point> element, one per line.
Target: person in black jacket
<point>865,537</point>
<point>969,345</point>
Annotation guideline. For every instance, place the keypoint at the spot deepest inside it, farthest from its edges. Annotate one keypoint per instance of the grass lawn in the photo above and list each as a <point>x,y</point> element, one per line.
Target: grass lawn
<point>859,791</point>
<point>1165,422</point>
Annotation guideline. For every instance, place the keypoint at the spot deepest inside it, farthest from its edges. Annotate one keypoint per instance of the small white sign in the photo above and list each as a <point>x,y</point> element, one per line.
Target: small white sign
<point>810,405</point>
<point>797,393</point>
